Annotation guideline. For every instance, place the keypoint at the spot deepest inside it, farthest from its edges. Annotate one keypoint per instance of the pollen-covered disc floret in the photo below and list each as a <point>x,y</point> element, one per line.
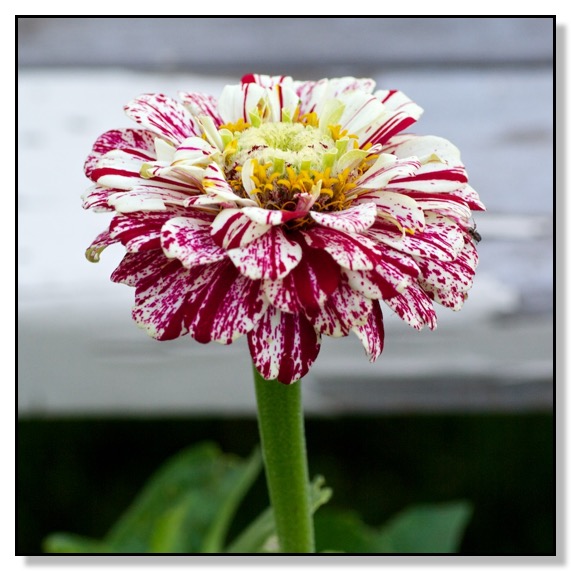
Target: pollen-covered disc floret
<point>283,211</point>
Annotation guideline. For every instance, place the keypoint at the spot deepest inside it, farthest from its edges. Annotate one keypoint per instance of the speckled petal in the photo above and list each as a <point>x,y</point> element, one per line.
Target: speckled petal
<point>399,209</point>
<point>136,142</point>
<point>233,229</point>
<point>272,256</point>
<point>201,104</point>
<point>222,305</point>
<point>140,231</point>
<point>399,112</point>
<point>314,94</point>
<point>146,198</point>
<point>386,168</point>
<point>345,308</point>
<point>164,116</point>
<point>351,251</point>
<point>189,240</point>
<point>372,333</point>
<point>136,267</point>
<point>353,220</point>
<point>441,239</point>
<point>96,198</point>
<point>283,346</point>
<point>121,170</point>
<point>93,253</point>
<point>444,275</point>
<point>309,285</point>
<point>414,307</point>
<point>160,301</point>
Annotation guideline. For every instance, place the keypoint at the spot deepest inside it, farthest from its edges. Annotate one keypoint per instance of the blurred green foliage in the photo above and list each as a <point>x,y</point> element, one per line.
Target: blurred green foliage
<point>81,475</point>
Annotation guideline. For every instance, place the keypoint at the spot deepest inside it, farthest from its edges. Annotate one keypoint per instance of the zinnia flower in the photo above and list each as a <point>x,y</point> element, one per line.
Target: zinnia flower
<point>284,211</point>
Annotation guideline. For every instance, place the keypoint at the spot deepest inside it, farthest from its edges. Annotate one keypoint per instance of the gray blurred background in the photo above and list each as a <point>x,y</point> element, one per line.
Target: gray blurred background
<point>485,84</point>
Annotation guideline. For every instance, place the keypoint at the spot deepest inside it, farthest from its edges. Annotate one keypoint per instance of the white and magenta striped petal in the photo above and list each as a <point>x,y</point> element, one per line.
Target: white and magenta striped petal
<point>397,208</point>
<point>351,251</point>
<point>441,238</point>
<point>201,104</point>
<point>222,305</point>
<point>136,267</point>
<point>399,112</point>
<point>345,309</point>
<point>353,220</point>
<point>163,116</point>
<point>189,240</point>
<point>136,142</point>
<point>96,198</point>
<point>272,256</point>
<point>283,346</point>
<point>93,253</point>
<point>372,333</point>
<point>233,229</point>
<point>308,286</point>
<point>414,307</point>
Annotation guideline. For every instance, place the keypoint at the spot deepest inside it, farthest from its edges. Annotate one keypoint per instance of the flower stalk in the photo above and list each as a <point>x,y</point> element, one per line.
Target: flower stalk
<point>280,421</point>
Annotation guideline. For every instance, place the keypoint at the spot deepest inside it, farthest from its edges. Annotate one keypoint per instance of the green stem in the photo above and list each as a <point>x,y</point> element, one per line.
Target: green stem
<point>280,419</point>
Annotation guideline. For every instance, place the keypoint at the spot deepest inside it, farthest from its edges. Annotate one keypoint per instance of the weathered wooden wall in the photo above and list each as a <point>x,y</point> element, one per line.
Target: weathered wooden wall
<point>485,83</point>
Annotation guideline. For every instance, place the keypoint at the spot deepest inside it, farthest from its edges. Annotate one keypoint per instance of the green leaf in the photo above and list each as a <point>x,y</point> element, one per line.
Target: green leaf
<point>69,543</point>
<point>420,529</point>
<point>186,507</point>
<point>258,536</point>
<point>426,529</point>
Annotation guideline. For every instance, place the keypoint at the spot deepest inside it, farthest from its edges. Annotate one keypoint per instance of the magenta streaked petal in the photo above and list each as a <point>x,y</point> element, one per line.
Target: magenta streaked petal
<point>272,256</point>
<point>386,168</point>
<point>160,301</point>
<point>233,229</point>
<point>314,94</point>
<point>424,147</point>
<point>414,307</point>
<point>399,112</point>
<point>434,176</point>
<point>237,101</point>
<point>283,346</point>
<point>353,220</point>
<point>136,267</point>
<point>309,285</point>
<point>201,104</point>
<point>396,208</point>
<point>351,251</point>
<point>451,298</point>
<point>189,240</point>
<point>120,170</point>
<point>164,116</point>
<point>93,253</point>
<point>140,231</point>
<point>136,142</point>
<point>272,217</point>
<point>372,333</point>
<point>471,197</point>
<point>447,204</point>
<point>146,198</point>
<point>267,80</point>
<point>345,308</point>
<point>96,198</point>
<point>441,238</point>
<point>222,305</point>
<point>446,275</point>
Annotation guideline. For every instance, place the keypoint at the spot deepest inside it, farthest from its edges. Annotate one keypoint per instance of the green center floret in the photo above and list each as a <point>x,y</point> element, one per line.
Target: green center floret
<point>297,145</point>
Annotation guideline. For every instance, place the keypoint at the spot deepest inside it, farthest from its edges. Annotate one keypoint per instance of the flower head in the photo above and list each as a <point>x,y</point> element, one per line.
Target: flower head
<point>284,211</point>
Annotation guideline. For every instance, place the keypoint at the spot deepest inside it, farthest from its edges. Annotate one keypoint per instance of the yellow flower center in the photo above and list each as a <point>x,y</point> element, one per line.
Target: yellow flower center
<point>283,159</point>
